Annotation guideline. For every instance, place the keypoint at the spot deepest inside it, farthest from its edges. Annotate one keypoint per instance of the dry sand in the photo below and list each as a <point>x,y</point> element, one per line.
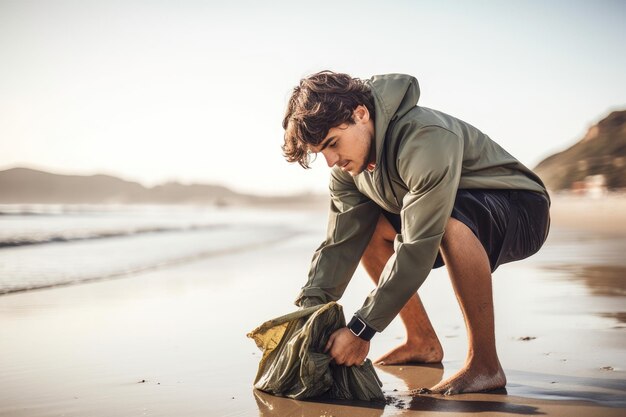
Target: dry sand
<point>172,342</point>
<point>606,214</point>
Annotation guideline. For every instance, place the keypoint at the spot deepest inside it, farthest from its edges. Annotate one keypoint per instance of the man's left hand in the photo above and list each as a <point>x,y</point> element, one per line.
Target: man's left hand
<point>346,348</point>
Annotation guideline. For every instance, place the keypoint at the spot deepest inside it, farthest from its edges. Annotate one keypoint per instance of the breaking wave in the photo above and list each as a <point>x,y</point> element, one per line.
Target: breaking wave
<point>11,242</point>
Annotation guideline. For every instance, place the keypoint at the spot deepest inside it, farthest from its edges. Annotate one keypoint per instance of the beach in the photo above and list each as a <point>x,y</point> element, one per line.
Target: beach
<point>157,327</point>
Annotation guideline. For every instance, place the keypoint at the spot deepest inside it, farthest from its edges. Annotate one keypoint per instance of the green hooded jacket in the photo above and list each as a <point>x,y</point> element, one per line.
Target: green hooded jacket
<point>422,157</point>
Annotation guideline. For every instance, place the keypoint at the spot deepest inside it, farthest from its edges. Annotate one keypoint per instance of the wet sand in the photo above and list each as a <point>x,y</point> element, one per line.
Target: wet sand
<point>172,341</point>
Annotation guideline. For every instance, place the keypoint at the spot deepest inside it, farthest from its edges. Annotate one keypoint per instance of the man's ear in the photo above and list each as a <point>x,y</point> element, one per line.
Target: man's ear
<point>361,114</point>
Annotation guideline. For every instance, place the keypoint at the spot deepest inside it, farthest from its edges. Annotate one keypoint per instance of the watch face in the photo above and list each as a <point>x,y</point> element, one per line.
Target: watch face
<point>357,326</point>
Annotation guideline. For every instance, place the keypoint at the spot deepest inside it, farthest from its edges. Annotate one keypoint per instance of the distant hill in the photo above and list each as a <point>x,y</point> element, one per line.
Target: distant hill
<point>29,186</point>
<point>601,153</point>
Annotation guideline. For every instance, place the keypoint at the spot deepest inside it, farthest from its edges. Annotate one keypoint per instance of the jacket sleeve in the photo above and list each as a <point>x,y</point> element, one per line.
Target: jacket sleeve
<point>351,223</point>
<point>429,163</point>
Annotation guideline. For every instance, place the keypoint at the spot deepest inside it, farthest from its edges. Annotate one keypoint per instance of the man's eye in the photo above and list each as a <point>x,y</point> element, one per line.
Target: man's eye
<point>332,145</point>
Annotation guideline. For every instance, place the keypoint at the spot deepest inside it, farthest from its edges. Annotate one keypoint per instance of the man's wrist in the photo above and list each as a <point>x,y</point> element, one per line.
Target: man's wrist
<point>360,329</point>
<point>304,301</point>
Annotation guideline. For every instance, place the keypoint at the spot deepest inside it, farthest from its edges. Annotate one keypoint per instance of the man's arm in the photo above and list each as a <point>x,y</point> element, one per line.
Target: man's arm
<point>351,223</point>
<point>429,163</point>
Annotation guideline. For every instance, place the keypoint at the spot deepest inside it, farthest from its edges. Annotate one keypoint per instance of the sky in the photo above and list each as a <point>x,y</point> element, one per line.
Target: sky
<point>195,91</point>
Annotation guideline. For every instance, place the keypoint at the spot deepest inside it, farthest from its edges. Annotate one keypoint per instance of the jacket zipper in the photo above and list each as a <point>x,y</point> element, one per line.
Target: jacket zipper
<point>377,179</point>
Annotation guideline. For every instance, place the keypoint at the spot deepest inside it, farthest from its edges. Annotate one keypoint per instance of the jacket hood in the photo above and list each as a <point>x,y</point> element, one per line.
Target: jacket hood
<point>394,95</point>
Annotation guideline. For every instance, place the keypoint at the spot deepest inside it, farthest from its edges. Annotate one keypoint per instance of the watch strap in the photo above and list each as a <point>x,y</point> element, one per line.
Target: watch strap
<point>359,328</point>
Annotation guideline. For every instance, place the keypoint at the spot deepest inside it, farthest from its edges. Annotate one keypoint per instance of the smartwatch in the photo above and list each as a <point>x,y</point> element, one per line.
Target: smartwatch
<point>359,328</point>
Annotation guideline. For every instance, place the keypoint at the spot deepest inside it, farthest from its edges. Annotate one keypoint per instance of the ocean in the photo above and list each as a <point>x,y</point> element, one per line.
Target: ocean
<point>50,245</point>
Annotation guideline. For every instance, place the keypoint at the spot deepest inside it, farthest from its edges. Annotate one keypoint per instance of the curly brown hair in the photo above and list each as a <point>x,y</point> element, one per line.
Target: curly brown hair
<point>320,102</point>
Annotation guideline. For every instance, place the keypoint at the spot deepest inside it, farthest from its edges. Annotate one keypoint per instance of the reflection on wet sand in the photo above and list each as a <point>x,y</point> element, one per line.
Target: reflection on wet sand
<point>272,406</point>
<point>526,398</point>
<point>619,316</point>
<point>456,405</point>
<point>415,376</point>
<point>607,392</point>
<point>607,280</point>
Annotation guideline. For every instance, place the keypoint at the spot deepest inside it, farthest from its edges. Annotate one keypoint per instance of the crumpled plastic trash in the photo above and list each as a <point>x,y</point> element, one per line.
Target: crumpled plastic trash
<point>294,364</point>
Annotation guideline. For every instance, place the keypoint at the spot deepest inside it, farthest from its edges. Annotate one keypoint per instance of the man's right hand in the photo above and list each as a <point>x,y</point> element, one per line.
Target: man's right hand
<point>347,349</point>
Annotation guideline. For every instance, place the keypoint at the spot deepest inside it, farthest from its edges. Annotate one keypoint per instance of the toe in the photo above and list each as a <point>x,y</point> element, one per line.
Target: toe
<point>450,391</point>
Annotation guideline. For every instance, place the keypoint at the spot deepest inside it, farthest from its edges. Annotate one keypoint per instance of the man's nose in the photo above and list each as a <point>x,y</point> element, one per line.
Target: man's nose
<point>331,158</point>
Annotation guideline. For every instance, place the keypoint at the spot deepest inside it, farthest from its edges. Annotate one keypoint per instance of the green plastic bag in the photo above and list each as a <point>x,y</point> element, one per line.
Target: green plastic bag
<point>294,364</point>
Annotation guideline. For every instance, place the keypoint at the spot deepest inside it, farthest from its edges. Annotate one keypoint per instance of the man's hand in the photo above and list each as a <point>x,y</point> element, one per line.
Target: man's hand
<point>346,348</point>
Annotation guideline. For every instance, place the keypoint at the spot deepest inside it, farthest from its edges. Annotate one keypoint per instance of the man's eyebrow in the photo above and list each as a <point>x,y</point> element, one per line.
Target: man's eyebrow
<point>330,139</point>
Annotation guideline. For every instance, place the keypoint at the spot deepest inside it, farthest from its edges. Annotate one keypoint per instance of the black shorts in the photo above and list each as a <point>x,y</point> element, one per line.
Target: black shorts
<point>510,224</point>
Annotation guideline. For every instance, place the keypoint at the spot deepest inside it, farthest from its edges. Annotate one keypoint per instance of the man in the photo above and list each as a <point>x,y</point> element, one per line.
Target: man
<point>411,189</point>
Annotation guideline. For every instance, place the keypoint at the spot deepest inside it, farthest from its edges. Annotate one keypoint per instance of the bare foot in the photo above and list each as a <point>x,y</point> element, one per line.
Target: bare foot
<point>472,378</point>
<point>411,352</point>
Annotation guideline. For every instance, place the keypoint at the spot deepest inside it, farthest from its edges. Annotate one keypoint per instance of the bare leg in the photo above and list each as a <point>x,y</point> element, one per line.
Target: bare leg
<point>422,344</point>
<point>470,273</point>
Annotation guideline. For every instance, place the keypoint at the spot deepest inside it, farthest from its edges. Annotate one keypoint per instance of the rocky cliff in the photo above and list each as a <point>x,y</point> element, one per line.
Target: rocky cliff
<point>598,159</point>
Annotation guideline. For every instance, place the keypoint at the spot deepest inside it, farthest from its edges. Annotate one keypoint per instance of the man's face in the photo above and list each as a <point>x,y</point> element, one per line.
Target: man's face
<point>350,146</point>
